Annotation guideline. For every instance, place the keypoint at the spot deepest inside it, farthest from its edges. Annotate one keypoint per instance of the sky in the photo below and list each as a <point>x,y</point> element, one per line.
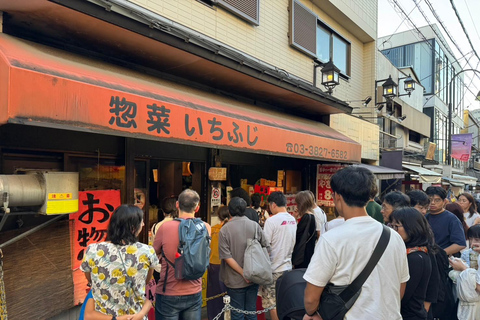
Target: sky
<point>391,20</point>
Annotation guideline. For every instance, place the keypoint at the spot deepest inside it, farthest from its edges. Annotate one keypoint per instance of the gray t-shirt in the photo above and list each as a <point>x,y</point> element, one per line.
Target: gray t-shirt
<point>232,242</point>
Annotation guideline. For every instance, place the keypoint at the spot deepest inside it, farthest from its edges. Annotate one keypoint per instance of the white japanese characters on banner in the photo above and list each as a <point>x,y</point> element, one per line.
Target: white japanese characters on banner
<point>324,192</point>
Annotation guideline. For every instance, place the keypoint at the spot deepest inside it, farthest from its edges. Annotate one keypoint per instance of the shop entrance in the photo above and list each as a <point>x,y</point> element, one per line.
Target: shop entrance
<point>170,178</point>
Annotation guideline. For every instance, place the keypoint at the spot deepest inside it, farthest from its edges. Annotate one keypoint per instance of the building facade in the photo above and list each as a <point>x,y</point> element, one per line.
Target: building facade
<point>145,97</point>
<point>435,65</point>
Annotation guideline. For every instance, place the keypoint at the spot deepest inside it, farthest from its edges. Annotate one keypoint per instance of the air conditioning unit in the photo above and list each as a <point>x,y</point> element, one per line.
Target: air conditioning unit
<point>50,193</point>
<point>476,165</point>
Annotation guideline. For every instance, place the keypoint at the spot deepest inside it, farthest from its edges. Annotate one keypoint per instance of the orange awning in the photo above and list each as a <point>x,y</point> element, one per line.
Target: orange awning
<point>48,87</point>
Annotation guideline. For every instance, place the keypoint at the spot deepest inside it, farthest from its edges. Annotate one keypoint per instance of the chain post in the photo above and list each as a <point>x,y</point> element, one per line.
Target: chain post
<point>226,301</point>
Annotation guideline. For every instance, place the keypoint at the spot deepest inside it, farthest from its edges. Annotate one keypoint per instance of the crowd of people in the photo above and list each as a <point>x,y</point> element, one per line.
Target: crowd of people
<point>425,272</point>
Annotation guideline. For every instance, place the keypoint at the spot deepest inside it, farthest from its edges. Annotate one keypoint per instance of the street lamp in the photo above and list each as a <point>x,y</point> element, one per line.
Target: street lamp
<point>330,75</point>
<point>449,139</point>
<point>390,88</point>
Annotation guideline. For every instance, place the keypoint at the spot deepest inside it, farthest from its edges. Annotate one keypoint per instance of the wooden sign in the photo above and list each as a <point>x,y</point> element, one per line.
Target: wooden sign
<point>217,174</point>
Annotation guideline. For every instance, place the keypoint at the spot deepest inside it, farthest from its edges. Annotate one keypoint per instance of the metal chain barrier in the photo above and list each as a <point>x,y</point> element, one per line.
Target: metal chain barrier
<point>214,297</point>
<point>227,308</point>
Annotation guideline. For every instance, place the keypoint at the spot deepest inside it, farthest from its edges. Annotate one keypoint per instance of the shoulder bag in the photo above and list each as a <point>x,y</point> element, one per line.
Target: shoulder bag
<point>257,267</point>
<point>337,300</point>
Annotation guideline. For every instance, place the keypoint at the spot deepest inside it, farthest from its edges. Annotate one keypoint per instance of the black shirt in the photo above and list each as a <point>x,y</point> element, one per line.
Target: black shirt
<point>420,267</point>
<point>251,214</point>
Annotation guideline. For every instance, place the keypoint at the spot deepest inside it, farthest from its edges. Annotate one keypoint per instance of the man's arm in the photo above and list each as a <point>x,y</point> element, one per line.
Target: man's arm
<point>312,298</point>
<point>235,266</point>
<point>402,289</point>
<point>454,248</point>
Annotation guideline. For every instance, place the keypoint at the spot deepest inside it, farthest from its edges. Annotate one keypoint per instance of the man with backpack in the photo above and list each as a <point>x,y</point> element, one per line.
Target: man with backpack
<point>183,247</point>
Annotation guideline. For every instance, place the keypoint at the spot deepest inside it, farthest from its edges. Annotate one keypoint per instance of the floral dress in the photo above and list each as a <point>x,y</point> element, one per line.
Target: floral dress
<point>119,289</point>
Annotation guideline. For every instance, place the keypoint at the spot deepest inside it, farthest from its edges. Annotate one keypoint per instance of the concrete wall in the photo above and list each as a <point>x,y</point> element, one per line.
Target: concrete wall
<point>364,132</point>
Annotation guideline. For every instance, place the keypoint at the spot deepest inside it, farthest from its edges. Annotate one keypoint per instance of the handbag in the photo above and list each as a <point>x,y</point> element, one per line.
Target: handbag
<point>337,300</point>
<point>257,267</point>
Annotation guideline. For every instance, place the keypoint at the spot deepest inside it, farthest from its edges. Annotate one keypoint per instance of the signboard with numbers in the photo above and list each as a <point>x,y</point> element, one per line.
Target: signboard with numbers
<point>324,192</point>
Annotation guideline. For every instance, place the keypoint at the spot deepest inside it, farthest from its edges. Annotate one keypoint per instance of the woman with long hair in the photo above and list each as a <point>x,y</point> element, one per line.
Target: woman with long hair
<point>415,231</point>
<point>306,230</point>
<point>119,268</point>
<point>469,207</point>
<point>457,210</point>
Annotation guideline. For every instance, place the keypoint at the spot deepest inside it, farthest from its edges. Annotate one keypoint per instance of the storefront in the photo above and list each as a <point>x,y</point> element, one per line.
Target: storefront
<point>146,137</point>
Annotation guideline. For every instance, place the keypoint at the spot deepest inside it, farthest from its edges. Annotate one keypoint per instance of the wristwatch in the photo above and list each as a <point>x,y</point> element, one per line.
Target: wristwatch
<point>114,318</point>
<point>314,313</point>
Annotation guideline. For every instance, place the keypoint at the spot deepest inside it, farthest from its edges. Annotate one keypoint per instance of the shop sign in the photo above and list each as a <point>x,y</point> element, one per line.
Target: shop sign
<point>217,174</point>
<point>216,200</point>
<point>280,177</point>
<point>291,204</point>
<point>91,221</point>
<point>462,146</point>
<point>324,192</point>
<point>141,109</point>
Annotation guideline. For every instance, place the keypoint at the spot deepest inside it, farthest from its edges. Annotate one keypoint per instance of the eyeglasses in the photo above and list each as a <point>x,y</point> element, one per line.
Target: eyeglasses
<point>396,226</point>
<point>436,200</point>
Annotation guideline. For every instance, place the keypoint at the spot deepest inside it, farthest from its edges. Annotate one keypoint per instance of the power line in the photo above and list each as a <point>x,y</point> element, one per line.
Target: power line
<point>419,33</point>
<point>473,21</point>
<point>463,27</point>
<point>429,4</point>
<point>396,28</point>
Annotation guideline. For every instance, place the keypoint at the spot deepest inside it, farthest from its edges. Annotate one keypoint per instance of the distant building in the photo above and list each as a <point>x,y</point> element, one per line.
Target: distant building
<point>435,65</point>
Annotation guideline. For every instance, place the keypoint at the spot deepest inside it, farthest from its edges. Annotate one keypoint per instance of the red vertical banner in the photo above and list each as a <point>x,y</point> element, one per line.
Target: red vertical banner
<point>324,192</point>
<point>89,225</point>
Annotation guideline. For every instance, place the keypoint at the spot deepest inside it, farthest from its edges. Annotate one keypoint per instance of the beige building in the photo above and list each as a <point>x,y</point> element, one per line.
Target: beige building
<point>146,97</point>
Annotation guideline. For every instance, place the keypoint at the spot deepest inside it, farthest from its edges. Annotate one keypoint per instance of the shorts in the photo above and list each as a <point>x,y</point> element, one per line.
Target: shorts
<point>268,292</point>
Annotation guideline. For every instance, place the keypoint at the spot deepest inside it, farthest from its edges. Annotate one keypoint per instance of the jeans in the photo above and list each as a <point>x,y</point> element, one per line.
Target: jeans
<point>178,307</point>
<point>244,299</point>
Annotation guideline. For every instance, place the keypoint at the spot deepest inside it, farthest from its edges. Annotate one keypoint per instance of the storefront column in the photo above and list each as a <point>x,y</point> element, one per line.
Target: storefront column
<point>129,196</point>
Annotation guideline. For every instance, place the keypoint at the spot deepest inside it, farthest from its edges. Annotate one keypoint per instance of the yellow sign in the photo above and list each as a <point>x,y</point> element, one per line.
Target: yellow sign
<point>62,206</point>
<point>59,196</point>
<point>431,151</point>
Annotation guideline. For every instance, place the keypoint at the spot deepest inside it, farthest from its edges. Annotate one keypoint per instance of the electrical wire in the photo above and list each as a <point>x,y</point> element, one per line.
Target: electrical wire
<point>396,29</point>
<point>473,21</point>
<point>418,32</point>
<point>463,27</point>
<point>430,6</point>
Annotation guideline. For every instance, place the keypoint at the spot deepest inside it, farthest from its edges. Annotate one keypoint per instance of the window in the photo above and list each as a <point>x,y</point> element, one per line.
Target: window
<point>248,10</point>
<point>316,39</point>
<point>330,45</point>
<point>414,136</point>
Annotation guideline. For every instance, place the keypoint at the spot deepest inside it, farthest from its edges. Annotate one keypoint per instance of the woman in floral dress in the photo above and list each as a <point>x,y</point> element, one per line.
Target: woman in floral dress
<point>119,268</point>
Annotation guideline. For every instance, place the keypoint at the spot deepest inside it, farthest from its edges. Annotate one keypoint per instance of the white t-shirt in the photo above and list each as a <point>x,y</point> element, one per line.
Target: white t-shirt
<point>334,223</point>
<point>320,219</point>
<point>470,221</point>
<point>280,231</point>
<point>342,253</point>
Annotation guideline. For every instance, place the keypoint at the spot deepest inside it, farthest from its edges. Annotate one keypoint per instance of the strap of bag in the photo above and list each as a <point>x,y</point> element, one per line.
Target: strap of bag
<point>126,274</point>
<point>353,288</point>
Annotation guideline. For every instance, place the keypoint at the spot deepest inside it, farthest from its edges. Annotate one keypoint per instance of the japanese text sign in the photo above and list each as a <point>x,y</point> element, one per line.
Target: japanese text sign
<point>91,221</point>
<point>324,192</point>
<point>126,105</point>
